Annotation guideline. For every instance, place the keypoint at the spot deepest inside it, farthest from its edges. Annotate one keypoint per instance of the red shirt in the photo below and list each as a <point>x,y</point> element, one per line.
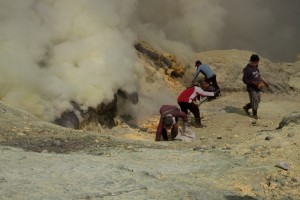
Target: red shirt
<point>190,94</point>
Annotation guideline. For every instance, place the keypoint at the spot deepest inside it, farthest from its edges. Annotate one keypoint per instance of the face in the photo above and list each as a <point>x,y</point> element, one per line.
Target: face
<point>255,64</point>
<point>168,127</point>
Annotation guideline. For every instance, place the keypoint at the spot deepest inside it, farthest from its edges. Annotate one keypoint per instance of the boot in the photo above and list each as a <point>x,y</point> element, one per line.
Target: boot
<point>255,114</point>
<point>246,109</point>
<point>198,123</point>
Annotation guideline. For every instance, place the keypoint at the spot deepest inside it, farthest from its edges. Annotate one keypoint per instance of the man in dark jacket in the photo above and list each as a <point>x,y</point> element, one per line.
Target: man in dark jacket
<point>169,115</point>
<point>253,80</point>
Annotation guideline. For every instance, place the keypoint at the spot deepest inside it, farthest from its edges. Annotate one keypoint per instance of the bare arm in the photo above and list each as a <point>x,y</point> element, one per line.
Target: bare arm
<point>266,84</point>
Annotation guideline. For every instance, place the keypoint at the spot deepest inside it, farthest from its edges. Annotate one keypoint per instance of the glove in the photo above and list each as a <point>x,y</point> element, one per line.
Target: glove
<point>185,125</point>
<point>217,93</point>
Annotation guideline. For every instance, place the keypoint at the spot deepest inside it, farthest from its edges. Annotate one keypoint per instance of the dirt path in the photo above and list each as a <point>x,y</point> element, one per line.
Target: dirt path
<point>234,157</point>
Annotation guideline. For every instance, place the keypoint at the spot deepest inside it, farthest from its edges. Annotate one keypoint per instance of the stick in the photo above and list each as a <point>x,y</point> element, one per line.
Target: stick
<point>201,102</point>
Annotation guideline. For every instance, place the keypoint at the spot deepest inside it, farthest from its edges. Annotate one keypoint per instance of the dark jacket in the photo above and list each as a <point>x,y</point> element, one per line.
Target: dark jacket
<point>251,77</point>
<point>165,110</point>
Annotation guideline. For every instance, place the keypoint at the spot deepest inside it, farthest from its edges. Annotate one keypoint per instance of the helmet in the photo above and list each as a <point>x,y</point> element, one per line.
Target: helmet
<point>254,58</point>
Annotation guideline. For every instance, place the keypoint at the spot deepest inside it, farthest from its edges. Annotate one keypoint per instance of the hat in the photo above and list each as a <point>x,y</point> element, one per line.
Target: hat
<point>254,58</point>
<point>198,62</point>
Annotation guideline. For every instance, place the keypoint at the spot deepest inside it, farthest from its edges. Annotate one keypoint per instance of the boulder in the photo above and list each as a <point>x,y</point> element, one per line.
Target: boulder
<point>104,113</point>
<point>293,118</point>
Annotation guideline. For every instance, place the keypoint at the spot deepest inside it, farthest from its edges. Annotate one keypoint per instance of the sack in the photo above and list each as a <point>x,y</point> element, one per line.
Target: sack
<point>187,136</point>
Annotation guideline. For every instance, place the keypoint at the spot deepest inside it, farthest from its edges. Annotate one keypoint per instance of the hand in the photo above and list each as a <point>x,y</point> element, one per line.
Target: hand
<point>185,125</point>
<point>267,85</point>
<point>259,85</point>
<point>216,93</point>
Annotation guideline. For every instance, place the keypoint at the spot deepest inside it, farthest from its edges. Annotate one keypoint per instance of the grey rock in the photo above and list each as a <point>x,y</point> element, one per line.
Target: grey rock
<point>295,180</point>
<point>291,134</point>
<point>56,143</point>
<point>269,138</point>
<point>283,165</point>
<point>201,148</point>
<point>293,118</point>
<point>68,119</point>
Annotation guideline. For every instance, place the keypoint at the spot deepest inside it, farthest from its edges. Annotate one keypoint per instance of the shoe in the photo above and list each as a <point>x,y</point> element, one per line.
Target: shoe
<point>198,123</point>
<point>246,110</point>
<point>199,126</point>
<point>255,114</point>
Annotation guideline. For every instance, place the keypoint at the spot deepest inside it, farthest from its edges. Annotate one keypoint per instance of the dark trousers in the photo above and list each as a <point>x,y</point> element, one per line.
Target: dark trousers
<point>184,106</point>
<point>213,82</point>
<point>174,132</point>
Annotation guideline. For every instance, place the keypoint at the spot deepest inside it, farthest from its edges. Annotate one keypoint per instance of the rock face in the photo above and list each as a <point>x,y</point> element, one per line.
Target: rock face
<point>166,61</point>
<point>293,118</point>
<point>132,97</point>
<point>104,113</point>
<point>68,119</point>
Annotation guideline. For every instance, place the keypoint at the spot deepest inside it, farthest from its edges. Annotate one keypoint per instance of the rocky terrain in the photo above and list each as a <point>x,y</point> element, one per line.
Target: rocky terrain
<point>233,157</point>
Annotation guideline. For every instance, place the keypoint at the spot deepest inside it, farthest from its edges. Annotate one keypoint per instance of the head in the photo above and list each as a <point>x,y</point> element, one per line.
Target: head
<point>201,83</point>
<point>198,63</point>
<point>204,85</point>
<point>254,60</point>
<point>168,122</point>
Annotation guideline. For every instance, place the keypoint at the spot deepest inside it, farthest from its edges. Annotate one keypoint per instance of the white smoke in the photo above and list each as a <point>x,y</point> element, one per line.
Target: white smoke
<point>53,52</point>
<point>180,26</point>
<point>56,51</point>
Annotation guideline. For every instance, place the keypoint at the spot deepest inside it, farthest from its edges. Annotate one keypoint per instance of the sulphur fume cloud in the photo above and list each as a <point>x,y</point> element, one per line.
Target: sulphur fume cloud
<point>53,52</point>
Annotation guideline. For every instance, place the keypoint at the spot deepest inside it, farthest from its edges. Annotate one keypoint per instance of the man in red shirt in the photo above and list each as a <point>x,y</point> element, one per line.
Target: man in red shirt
<point>187,98</point>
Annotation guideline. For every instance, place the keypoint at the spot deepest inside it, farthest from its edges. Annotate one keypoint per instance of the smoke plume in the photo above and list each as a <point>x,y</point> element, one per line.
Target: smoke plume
<point>53,52</point>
